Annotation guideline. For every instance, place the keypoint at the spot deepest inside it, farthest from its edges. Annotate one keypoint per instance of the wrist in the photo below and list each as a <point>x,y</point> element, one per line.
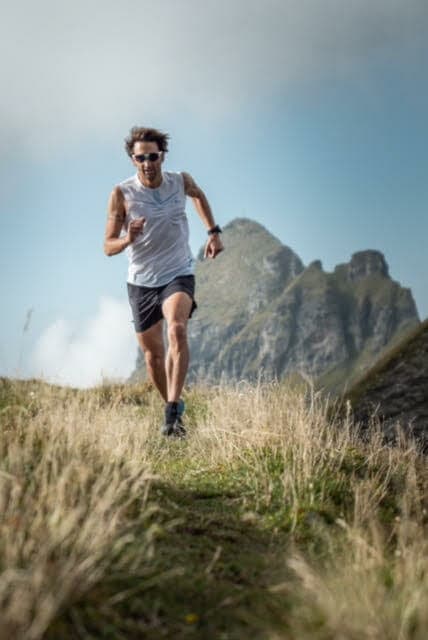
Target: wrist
<point>214,230</point>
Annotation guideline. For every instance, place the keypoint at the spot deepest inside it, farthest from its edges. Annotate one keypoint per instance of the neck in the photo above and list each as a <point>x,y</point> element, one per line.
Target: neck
<point>150,184</point>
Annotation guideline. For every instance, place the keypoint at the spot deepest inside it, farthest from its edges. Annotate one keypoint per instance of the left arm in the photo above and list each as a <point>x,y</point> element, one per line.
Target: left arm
<point>214,244</point>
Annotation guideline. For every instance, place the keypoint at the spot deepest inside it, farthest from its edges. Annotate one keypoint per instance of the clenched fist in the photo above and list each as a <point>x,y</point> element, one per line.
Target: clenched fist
<point>135,227</point>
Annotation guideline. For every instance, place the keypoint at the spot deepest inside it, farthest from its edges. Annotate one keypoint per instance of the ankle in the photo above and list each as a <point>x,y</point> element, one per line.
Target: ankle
<point>171,411</point>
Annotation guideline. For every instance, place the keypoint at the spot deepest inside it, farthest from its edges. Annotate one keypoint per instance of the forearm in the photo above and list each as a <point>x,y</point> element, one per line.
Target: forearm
<point>204,210</point>
<point>113,246</point>
<point>214,244</point>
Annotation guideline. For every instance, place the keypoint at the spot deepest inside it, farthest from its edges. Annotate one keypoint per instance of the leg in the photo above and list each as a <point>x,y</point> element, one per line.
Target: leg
<point>151,343</point>
<point>176,310</point>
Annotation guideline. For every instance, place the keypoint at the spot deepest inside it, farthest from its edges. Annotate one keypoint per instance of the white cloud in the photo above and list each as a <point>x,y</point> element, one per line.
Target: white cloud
<point>69,69</point>
<point>105,347</point>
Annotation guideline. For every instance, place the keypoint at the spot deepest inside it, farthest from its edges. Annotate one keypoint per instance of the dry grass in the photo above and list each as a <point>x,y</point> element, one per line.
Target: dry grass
<point>70,503</point>
<point>90,498</point>
<point>373,582</point>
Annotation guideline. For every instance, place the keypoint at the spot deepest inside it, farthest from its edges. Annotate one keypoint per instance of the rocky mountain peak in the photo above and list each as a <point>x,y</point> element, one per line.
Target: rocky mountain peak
<point>316,265</point>
<point>245,225</point>
<point>367,263</point>
<point>261,313</point>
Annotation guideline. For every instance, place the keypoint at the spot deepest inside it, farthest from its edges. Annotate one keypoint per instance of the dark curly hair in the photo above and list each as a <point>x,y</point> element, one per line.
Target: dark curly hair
<point>146,134</point>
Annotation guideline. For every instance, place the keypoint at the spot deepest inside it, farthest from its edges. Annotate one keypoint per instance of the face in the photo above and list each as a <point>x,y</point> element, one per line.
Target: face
<point>149,171</point>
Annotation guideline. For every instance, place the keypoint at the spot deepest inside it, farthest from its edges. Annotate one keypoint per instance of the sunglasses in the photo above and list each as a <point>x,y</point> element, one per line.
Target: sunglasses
<point>152,157</point>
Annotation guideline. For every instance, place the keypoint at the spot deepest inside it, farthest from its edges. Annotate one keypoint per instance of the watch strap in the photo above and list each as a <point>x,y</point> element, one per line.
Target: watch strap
<point>215,229</point>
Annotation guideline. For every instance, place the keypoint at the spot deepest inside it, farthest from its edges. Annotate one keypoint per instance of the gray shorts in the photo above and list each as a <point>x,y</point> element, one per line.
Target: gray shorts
<point>146,302</point>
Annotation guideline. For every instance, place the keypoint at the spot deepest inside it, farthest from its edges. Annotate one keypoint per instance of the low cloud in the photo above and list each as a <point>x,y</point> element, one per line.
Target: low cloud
<point>103,348</point>
<point>91,67</point>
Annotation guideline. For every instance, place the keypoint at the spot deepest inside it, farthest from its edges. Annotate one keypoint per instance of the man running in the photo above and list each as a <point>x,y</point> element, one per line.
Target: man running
<point>147,218</point>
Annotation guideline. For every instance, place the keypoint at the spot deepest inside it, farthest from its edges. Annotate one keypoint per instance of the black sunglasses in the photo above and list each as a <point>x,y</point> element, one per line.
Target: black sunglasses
<point>152,157</point>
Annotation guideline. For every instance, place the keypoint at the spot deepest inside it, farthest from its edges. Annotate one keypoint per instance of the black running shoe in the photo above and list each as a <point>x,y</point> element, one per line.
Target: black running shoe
<point>173,425</point>
<point>178,430</point>
<point>167,429</point>
<point>181,407</point>
<point>174,430</point>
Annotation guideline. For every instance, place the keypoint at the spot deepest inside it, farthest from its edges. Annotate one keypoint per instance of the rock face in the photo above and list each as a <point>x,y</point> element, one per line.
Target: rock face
<point>367,263</point>
<point>262,313</point>
<point>396,388</point>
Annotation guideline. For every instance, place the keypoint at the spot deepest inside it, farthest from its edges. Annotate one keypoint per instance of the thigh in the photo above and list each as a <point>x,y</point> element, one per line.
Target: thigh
<point>177,307</point>
<point>177,299</point>
<point>151,340</point>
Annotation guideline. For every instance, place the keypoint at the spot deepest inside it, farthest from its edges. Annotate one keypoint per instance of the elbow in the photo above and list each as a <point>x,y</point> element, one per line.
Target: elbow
<point>107,250</point>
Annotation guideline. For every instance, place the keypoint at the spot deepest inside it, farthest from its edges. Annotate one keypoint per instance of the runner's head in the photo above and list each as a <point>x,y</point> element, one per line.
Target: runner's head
<point>146,134</point>
<point>146,148</point>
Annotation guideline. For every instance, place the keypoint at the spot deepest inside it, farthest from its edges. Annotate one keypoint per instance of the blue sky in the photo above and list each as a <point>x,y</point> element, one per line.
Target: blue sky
<point>309,117</point>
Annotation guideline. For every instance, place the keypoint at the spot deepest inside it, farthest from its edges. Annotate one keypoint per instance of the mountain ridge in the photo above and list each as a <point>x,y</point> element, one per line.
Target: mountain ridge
<point>263,313</point>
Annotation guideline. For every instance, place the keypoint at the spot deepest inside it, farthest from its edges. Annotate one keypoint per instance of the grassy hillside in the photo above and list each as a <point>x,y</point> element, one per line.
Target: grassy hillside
<point>270,521</point>
<point>404,349</point>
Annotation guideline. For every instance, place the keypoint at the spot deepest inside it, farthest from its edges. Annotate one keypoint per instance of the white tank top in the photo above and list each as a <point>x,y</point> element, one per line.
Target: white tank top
<point>161,252</point>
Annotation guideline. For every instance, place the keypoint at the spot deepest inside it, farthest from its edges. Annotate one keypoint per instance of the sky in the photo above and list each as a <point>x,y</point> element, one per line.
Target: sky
<point>308,116</point>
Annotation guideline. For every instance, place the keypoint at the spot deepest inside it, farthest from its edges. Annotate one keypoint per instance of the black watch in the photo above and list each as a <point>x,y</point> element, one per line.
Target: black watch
<point>215,229</point>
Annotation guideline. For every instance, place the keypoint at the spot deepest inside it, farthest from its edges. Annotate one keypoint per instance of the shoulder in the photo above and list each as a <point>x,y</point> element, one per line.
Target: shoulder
<point>117,199</point>
<point>174,179</point>
<point>172,176</point>
<point>125,189</point>
<point>117,193</point>
<point>190,187</point>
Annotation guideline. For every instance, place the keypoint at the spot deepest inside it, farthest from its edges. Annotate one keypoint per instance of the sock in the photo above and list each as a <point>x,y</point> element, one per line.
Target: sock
<point>171,412</point>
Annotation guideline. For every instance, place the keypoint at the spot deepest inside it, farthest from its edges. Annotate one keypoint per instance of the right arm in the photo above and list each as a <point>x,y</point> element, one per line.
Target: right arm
<point>113,244</point>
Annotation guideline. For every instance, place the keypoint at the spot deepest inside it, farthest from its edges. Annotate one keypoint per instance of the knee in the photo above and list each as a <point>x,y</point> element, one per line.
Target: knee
<point>177,333</point>
<point>154,359</point>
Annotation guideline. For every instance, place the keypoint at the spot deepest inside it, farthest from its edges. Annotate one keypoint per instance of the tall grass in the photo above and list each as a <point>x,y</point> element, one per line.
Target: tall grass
<point>71,503</point>
<point>80,510</point>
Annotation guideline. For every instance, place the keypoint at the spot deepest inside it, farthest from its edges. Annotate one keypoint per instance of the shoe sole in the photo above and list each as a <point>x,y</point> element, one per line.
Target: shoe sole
<point>173,431</point>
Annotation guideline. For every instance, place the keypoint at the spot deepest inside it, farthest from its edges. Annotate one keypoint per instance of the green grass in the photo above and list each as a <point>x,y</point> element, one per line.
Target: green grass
<point>219,540</point>
<point>246,529</point>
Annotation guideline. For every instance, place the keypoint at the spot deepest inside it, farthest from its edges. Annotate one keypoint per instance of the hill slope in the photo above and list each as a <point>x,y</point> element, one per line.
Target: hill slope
<point>397,387</point>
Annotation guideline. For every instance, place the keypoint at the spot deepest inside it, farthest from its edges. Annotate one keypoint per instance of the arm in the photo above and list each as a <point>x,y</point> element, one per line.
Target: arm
<point>214,244</point>
<point>116,213</point>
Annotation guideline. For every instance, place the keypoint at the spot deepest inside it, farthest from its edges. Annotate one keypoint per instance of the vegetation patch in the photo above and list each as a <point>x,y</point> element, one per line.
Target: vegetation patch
<point>271,520</point>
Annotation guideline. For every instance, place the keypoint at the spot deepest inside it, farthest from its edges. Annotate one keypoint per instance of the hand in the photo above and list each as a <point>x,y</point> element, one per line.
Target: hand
<point>135,227</point>
<point>213,246</point>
